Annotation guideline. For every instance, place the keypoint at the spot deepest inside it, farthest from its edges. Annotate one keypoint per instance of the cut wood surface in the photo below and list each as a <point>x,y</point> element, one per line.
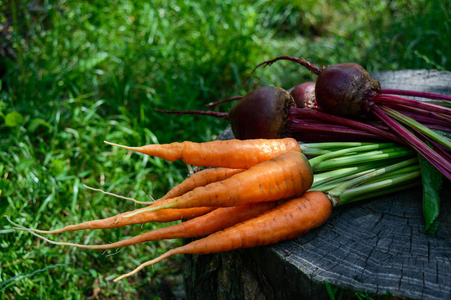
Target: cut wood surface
<point>376,247</point>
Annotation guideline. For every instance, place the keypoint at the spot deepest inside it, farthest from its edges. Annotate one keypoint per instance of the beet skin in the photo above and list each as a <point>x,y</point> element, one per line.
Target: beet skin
<point>262,112</point>
<point>344,89</point>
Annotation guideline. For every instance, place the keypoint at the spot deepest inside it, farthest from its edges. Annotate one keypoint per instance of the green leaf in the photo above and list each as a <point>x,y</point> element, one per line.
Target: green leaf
<point>37,122</point>
<point>13,119</point>
<point>432,185</point>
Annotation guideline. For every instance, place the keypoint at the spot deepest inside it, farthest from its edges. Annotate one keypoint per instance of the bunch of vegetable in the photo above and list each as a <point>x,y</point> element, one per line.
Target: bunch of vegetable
<point>258,192</point>
<point>347,104</point>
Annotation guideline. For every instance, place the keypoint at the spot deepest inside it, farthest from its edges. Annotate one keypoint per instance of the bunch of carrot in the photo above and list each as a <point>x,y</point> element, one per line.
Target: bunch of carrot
<point>259,192</point>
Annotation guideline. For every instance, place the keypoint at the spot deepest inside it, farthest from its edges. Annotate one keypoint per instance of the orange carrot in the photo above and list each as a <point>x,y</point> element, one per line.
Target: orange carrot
<point>284,176</point>
<point>213,221</point>
<point>235,154</point>
<point>201,178</point>
<point>286,221</point>
<point>167,215</point>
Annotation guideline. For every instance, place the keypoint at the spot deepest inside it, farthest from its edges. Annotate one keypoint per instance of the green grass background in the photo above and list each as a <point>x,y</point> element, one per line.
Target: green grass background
<point>75,73</point>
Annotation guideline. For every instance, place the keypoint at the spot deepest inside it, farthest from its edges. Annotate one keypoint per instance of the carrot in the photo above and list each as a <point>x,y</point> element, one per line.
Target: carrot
<point>213,221</point>
<point>236,154</point>
<point>201,178</point>
<point>286,221</point>
<point>286,175</point>
<point>167,215</point>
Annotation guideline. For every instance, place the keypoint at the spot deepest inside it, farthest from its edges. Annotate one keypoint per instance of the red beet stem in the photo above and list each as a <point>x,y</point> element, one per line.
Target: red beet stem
<point>300,127</point>
<point>224,101</point>
<point>396,100</point>
<point>430,155</point>
<point>439,148</point>
<point>330,137</point>
<point>314,114</point>
<point>303,62</point>
<point>416,94</point>
<point>221,115</point>
<point>424,117</point>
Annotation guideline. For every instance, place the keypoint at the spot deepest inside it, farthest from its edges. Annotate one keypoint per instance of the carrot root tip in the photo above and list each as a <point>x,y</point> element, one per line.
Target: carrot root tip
<point>117,145</point>
<point>20,227</point>
<point>119,196</point>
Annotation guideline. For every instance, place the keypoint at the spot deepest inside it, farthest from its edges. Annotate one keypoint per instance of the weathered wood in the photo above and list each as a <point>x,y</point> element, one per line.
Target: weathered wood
<point>376,247</point>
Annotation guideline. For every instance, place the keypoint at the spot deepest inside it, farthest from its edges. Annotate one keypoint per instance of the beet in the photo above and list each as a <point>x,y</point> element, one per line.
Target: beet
<point>262,113</point>
<point>249,117</point>
<point>304,95</point>
<point>345,89</point>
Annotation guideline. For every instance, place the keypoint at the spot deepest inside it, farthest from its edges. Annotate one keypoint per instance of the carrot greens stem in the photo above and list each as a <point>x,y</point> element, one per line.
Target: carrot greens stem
<point>316,149</point>
<point>383,191</point>
<point>319,159</point>
<point>362,158</point>
<point>341,189</point>
<point>331,182</point>
<point>350,194</point>
<point>394,173</point>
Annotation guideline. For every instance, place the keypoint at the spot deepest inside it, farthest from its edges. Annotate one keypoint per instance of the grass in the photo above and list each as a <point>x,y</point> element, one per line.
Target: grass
<point>75,73</point>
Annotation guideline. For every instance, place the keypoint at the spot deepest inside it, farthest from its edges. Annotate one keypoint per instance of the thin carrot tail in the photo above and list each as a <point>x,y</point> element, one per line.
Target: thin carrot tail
<point>122,243</point>
<point>33,232</point>
<point>151,262</point>
<point>55,231</point>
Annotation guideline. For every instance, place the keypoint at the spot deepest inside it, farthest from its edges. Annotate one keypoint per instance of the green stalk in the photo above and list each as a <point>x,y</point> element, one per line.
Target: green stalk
<point>367,190</point>
<point>361,158</point>
<point>327,186</point>
<point>395,173</point>
<point>316,149</point>
<point>315,161</point>
<point>342,189</point>
<point>343,174</point>
<point>383,191</point>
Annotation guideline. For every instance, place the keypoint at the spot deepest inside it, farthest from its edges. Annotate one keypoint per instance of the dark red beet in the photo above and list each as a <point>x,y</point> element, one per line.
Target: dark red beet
<point>262,113</point>
<point>345,89</point>
<point>304,94</point>
<point>249,118</point>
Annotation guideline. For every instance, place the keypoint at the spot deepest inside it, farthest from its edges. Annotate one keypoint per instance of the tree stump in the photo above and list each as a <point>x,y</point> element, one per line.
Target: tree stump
<point>376,247</point>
